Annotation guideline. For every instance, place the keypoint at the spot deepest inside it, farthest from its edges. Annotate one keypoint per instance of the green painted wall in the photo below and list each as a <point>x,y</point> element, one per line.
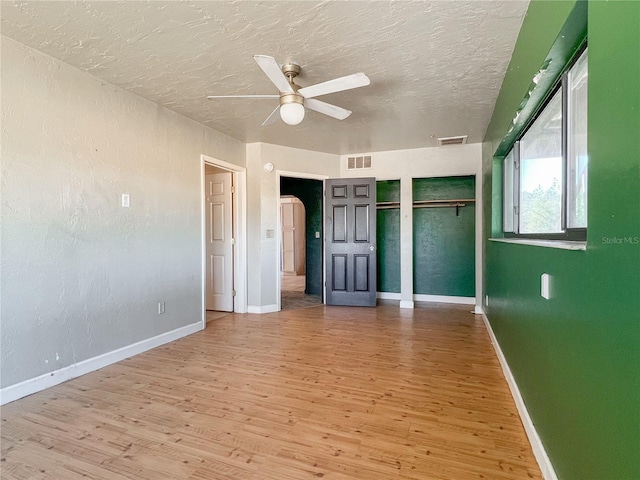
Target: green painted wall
<point>542,23</point>
<point>576,357</point>
<point>310,194</point>
<point>388,237</point>
<point>443,242</point>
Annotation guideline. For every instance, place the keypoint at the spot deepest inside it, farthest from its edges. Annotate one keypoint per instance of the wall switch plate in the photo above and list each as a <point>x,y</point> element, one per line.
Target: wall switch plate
<point>160,308</point>
<point>125,200</point>
<point>270,233</point>
<point>486,300</point>
<point>545,286</point>
<point>317,234</point>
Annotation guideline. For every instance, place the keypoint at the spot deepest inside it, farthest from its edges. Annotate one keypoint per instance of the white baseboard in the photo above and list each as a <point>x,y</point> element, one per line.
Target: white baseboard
<point>445,299</point>
<point>427,298</point>
<point>262,308</point>
<point>388,295</point>
<point>33,385</point>
<point>478,310</point>
<point>395,296</point>
<point>548,472</point>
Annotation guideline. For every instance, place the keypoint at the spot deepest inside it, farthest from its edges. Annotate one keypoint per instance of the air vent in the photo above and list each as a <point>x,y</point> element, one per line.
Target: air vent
<point>357,163</point>
<point>452,140</point>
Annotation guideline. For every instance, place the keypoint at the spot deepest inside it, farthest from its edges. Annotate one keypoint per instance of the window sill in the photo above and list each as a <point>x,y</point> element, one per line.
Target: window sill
<point>562,244</point>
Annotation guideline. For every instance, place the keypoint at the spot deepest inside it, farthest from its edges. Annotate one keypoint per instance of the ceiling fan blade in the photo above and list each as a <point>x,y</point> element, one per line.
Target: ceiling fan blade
<point>271,68</point>
<point>272,118</point>
<point>326,108</point>
<point>215,97</point>
<point>337,85</point>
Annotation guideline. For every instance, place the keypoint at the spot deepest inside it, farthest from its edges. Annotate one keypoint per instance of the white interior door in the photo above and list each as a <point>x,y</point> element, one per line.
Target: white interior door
<point>219,242</point>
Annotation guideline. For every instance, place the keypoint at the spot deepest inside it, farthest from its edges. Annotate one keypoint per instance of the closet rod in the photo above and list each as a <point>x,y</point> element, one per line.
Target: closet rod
<point>453,202</point>
<point>441,205</point>
<point>447,200</point>
<point>431,205</point>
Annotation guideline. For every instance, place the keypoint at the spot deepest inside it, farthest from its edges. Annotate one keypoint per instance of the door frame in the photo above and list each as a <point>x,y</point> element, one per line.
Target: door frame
<point>239,213</point>
<point>310,176</point>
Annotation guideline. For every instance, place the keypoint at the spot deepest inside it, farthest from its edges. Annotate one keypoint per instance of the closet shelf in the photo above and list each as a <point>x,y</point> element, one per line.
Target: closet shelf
<point>450,202</point>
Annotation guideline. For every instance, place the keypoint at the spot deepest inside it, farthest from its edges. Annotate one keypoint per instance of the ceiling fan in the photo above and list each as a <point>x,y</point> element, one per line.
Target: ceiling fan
<point>294,99</point>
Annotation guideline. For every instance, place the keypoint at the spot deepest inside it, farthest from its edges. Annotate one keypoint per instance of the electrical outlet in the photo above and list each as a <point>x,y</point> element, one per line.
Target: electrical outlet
<point>126,200</point>
<point>545,286</point>
<point>317,234</point>
<point>160,308</point>
<point>486,300</point>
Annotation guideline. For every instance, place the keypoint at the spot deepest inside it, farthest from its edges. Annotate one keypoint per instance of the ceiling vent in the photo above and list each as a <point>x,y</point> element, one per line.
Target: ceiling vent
<point>460,140</point>
<point>360,162</point>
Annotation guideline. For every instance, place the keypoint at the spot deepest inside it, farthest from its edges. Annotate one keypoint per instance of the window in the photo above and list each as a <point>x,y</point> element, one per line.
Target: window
<point>545,173</point>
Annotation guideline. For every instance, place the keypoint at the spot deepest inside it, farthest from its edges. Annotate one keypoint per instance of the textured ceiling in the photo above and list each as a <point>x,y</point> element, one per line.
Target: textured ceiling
<point>435,66</point>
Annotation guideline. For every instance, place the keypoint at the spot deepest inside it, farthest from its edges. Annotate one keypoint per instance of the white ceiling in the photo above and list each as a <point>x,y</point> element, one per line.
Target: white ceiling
<point>436,67</point>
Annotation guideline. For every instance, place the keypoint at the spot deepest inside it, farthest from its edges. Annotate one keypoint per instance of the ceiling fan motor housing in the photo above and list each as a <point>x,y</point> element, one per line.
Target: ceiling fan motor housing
<point>291,70</point>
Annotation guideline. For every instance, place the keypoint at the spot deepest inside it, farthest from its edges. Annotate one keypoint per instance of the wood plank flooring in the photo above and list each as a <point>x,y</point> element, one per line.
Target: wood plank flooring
<point>324,392</point>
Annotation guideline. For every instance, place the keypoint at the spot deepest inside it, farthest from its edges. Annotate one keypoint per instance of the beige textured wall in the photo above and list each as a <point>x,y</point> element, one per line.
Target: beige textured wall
<point>81,275</point>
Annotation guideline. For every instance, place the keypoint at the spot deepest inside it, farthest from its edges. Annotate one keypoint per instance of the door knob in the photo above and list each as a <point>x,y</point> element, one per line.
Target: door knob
<point>372,247</point>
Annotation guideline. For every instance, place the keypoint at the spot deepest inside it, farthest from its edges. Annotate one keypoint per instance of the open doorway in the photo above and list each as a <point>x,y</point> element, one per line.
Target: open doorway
<point>223,239</point>
<point>301,221</point>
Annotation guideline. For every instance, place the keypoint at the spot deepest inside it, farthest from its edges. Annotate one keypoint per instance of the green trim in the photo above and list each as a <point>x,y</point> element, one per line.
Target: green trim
<point>497,196</point>
<point>543,21</point>
<point>568,43</point>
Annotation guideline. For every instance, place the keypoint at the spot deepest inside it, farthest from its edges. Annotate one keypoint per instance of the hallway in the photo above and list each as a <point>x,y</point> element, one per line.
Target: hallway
<point>292,293</point>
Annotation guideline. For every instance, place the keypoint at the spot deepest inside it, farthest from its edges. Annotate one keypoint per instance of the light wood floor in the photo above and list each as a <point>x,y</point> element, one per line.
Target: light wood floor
<point>324,392</point>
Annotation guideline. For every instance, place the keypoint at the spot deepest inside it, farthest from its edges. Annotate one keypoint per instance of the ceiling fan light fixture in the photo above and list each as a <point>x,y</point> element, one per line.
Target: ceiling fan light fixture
<point>291,109</point>
<point>294,99</point>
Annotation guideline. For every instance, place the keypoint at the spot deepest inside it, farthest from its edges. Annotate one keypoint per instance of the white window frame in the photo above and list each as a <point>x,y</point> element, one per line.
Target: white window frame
<point>511,165</point>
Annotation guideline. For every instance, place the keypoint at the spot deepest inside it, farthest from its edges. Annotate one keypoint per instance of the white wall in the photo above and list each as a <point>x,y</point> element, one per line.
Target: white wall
<point>405,165</point>
<point>263,194</point>
<point>81,275</point>
<point>454,160</point>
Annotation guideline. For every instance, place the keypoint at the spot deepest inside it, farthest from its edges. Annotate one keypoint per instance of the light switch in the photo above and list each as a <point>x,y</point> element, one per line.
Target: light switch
<point>270,233</point>
<point>317,234</point>
<point>125,200</point>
